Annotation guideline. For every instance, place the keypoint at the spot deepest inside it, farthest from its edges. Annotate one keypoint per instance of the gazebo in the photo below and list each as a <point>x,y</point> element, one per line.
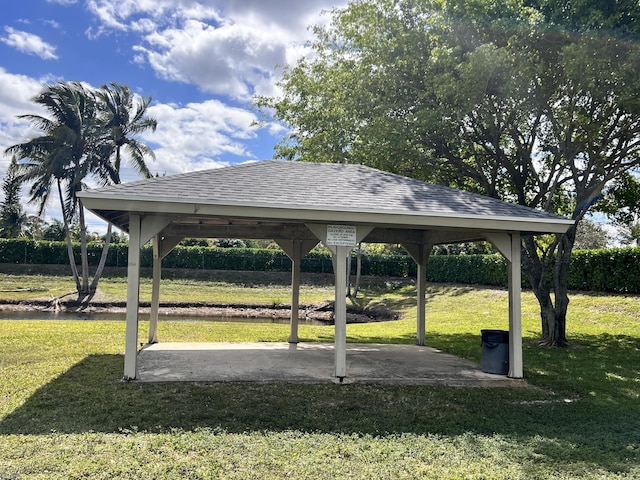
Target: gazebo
<point>299,204</point>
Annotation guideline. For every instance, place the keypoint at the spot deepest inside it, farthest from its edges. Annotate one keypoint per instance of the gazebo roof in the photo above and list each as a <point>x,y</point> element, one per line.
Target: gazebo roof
<point>268,198</point>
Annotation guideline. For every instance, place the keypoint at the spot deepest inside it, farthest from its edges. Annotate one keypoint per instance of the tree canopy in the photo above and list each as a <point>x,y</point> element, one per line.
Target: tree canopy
<point>510,99</point>
<point>12,216</point>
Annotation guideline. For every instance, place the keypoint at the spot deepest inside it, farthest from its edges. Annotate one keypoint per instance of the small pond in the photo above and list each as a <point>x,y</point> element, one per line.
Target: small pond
<point>47,315</point>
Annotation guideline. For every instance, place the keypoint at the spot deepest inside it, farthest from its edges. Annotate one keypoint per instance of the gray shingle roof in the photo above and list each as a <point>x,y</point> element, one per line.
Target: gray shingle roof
<point>336,187</point>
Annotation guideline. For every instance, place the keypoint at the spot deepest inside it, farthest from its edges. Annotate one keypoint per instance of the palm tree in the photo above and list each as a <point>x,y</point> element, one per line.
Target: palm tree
<point>123,116</point>
<point>60,158</point>
<point>81,138</point>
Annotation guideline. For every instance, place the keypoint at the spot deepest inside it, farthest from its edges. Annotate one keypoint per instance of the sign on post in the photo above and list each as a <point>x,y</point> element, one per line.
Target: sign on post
<point>341,235</point>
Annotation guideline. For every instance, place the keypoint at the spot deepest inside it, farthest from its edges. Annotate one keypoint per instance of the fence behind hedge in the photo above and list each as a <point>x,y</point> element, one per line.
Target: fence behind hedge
<point>607,270</point>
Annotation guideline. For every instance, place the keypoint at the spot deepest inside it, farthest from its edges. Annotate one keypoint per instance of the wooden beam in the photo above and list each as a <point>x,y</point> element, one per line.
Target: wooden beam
<point>151,226</point>
<point>256,232</point>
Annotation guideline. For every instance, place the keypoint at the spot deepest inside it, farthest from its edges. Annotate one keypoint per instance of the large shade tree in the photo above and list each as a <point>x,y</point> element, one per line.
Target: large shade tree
<point>80,140</point>
<point>495,97</point>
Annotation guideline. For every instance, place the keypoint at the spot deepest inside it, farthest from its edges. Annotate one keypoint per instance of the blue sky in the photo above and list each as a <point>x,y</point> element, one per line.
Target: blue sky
<point>200,60</point>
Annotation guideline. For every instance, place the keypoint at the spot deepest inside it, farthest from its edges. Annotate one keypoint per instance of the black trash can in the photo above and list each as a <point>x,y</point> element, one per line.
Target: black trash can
<point>495,351</point>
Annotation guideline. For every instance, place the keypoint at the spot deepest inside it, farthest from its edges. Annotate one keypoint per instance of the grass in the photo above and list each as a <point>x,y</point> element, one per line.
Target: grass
<point>241,290</point>
<point>64,413</point>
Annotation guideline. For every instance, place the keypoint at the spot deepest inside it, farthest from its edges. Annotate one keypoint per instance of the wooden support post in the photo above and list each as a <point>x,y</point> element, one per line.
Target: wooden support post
<point>510,248</point>
<point>421,321</point>
<point>295,250</point>
<point>295,291</point>
<point>420,254</point>
<point>155,291</point>
<point>340,255</point>
<point>340,312</point>
<point>515,310</point>
<point>133,299</point>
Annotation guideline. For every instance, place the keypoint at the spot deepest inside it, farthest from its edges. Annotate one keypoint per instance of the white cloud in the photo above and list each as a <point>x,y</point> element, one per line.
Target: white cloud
<point>189,137</point>
<point>230,47</point>
<point>29,43</point>
<point>229,60</point>
<point>16,92</point>
<point>127,15</point>
<point>63,2</point>
<point>194,136</point>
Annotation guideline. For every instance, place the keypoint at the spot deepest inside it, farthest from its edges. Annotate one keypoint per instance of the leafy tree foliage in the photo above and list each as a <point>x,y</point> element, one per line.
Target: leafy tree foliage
<point>591,236</point>
<point>33,226</point>
<point>55,232</point>
<point>12,216</point>
<point>229,243</point>
<point>115,237</point>
<point>194,242</point>
<point>621,203</point>
<point>502,98</point>
<point>617,17</point>
<point>80,139</point>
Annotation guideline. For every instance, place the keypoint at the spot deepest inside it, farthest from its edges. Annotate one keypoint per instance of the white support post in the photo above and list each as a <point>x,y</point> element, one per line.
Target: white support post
<point>420,254</point>
<point>162,246</point>
<point>155,291</point>
<point>295,250</point>
<point>515,310</point>
<point>133,299</point>
<point>340,255</point>
<point>509,246</point>
<point>421,321</point>
<point>340,311</point>
<point>295,291</point>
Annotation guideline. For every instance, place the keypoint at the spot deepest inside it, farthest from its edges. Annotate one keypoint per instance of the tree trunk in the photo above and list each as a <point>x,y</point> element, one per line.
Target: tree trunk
<point>83,251</point>
<point>67,234</point>
<point>561,285</point>
<point>103,261</point>
<point>549,275</point>
<point>356,288</point>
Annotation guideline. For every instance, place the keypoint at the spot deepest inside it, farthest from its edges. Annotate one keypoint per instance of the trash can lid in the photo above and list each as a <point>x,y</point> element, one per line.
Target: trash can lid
<point>495,336</point>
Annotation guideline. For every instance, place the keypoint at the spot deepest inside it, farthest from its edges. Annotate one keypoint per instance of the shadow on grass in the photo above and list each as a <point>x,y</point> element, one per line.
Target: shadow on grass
<point>596,426</point>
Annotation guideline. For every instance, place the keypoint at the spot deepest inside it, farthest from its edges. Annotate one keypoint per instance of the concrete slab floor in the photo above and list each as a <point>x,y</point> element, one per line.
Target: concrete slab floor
<point>269,362</point>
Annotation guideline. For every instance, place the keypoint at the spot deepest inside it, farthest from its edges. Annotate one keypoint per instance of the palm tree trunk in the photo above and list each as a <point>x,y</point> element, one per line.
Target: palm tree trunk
<point>83,250</point>
<point>103,261</point>
<point>72,260</point>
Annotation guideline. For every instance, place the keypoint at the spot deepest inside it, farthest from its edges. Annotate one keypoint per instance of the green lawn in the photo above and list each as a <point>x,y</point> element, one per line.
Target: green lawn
<point>64,413</point>
<point>233,288</point>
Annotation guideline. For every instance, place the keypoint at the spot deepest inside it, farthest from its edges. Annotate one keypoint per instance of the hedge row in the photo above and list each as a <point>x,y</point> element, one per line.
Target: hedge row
<point>607,270</point>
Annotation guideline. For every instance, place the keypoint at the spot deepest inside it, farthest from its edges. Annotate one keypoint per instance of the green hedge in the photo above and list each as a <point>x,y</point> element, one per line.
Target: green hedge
<point>606,270</point>
<point>474,269</point>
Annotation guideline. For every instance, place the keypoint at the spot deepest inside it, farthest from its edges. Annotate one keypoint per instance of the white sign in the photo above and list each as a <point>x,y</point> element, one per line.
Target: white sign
<point>341,235</point>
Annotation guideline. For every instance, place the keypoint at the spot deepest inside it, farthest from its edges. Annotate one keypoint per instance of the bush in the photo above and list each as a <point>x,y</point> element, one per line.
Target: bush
<point>605,270</point>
